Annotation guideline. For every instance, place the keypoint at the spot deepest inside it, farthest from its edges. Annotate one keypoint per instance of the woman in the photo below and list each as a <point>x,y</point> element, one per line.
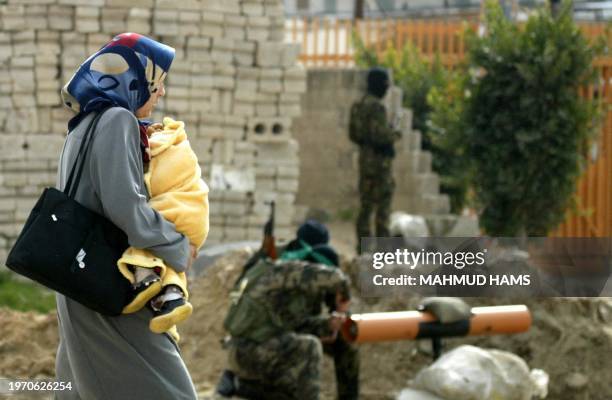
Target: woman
<point>119,357</point>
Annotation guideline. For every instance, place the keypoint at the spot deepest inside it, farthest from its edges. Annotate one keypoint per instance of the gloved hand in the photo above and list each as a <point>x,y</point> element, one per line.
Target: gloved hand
<point>446,309</point>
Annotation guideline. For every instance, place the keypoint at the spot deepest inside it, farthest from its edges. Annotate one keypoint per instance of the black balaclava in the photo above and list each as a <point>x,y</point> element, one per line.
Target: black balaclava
<point>378,82</point>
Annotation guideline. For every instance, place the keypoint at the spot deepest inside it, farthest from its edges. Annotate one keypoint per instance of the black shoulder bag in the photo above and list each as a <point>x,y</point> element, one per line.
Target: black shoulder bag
<point>71,249</point>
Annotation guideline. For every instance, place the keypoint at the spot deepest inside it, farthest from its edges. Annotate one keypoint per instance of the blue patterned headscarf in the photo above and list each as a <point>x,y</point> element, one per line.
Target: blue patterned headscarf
<point>124,73</point>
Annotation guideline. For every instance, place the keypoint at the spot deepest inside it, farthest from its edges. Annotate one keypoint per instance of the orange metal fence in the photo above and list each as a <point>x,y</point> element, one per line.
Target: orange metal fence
<point>327,43</point>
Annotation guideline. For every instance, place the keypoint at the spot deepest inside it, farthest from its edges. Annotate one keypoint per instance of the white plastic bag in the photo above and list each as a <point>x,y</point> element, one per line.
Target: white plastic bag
<point>413,394</point>
<point>412,228</point>
<point>471,373</point>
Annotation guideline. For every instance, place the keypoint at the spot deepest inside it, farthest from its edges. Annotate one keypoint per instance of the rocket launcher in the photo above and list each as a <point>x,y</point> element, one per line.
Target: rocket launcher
<point>411,325</point>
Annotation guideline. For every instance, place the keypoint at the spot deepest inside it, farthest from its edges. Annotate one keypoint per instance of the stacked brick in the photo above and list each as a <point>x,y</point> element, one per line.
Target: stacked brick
<point>234,82</point>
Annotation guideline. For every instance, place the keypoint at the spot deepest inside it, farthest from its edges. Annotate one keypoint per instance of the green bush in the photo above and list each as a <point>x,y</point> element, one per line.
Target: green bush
<point>417,76</point>
<point>446,130</point>
<point>24,296</point>
<point>524,127</point>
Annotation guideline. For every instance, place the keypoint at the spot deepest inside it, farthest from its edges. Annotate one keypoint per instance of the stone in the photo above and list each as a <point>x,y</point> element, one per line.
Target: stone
<point>576,380</point>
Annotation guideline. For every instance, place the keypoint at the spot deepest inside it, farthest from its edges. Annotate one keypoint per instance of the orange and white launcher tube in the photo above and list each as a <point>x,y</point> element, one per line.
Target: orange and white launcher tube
<point>409,325</point>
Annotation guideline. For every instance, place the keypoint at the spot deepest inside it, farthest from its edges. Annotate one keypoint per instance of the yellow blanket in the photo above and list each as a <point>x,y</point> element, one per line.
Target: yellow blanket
<point>178,193</point>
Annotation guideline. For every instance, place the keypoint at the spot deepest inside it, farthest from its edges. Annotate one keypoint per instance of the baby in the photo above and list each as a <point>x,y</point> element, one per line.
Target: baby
<point>179,194</point>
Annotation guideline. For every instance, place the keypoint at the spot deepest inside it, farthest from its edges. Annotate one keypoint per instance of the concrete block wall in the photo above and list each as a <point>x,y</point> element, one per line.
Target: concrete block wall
<point>232,72</point>
<point>329,160</point>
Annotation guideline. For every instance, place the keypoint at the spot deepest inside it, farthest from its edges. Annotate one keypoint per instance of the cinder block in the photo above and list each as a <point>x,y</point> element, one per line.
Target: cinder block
<point>269,130</point>
<point>275,9</point>
<point>87,25</point>
<point>289,110</point>
<point>244,109</point>
<point>294,73</point>
<point>234,32</point>
<point>270,86</point>
<point>212,17</point>
<point>265,171</point>
<point>211,30</point>
<point>61,18</point>
<point>195,42</point>
<point>114,20</point>
<point>266,110</point>
<point>222,56</point>
<point>137,25</point>
<point>234,209</point>
<point>95,3</point>
<point>235,234</point>
<point>142,4</point>
<point>294,86</point>
<point>287,185</point>
<point>36,16</point>
<point>13,17</point>
<point>230,6</point>
<point>290,54</point>
<point>48,98</point>
<point>252,9</point>
<point>257,34</point>
<point>180,5</point>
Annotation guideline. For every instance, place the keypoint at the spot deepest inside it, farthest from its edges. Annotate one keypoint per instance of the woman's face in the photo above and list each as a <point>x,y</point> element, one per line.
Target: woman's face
<point>146,110</point>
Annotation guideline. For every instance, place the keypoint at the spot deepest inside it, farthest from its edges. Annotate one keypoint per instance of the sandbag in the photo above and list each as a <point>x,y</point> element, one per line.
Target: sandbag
<point>472,373</point>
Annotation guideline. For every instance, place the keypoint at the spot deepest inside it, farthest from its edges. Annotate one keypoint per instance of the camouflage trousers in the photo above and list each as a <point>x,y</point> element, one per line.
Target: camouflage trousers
<point>375,193</point>
<point>288,366</point>
<point>346,365</point>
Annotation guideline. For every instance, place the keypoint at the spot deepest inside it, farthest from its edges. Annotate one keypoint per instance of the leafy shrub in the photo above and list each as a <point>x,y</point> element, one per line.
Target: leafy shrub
<point>525,128</point>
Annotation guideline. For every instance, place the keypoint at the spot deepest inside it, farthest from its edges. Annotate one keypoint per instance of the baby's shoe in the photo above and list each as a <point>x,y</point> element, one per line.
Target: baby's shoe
<point>169,314</point>
<point>144,291</point>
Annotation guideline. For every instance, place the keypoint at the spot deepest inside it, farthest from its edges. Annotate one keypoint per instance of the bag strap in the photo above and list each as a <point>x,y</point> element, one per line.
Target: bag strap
<point>71,189</point>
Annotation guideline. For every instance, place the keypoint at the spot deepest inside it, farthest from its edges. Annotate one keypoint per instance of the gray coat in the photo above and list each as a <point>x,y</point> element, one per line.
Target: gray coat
<point>114,358</point>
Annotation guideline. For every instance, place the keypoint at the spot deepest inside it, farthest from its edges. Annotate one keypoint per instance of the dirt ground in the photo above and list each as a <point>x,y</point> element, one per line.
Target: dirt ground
<point>571,339</point>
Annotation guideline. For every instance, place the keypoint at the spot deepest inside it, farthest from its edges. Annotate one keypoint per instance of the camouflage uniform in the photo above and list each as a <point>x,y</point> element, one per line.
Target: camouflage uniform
<point>286,365</point>
<point>376,185</point>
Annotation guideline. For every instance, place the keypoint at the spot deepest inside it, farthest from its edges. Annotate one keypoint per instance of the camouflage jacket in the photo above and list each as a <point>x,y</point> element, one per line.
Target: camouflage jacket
<point>370,129</point>
<point>294,292</point>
